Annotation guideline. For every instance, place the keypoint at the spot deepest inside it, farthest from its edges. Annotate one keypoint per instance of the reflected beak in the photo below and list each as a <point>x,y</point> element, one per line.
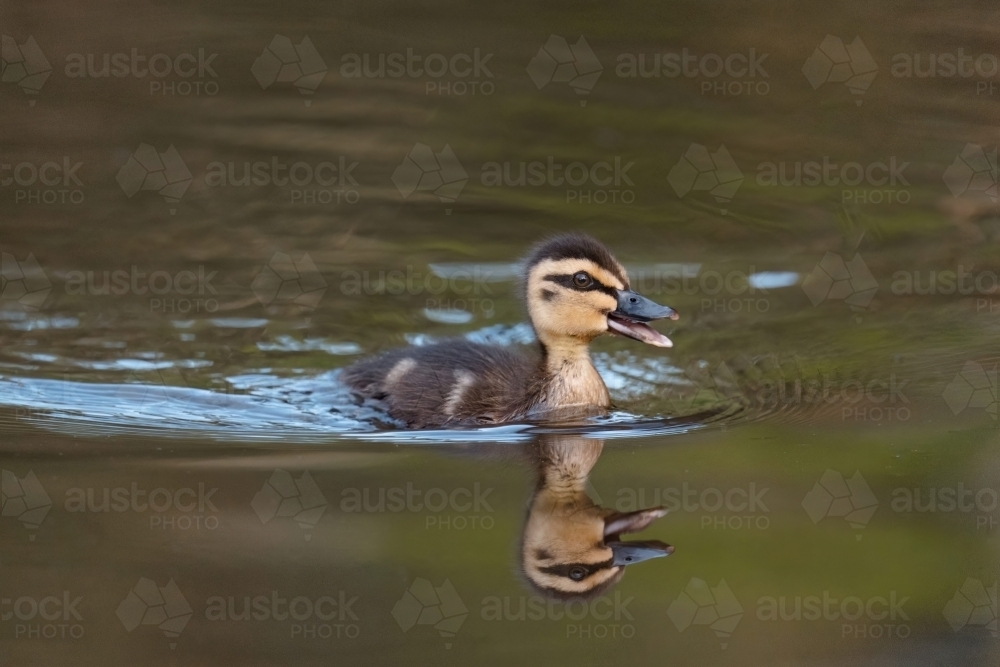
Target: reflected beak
<point>630,318</point>
<point>629,553</point>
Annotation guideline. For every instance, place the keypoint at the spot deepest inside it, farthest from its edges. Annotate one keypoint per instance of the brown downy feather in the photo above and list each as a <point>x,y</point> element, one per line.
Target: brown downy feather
<point>506,386</point>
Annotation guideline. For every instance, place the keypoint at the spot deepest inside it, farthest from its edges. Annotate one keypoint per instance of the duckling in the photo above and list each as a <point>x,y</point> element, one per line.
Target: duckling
<point>571,547</point>
<point>575,291</point>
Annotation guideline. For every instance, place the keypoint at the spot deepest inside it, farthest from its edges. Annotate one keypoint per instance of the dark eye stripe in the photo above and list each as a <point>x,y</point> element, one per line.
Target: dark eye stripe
<point>566,280</point>
<point>564,570</point>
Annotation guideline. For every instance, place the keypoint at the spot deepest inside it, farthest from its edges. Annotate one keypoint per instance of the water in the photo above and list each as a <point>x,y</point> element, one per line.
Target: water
<point>176,445</point>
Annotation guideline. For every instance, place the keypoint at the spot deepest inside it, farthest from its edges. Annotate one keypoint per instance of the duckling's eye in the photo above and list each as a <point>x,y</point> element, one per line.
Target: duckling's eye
<point>583,280</point>
<point>578,573</point>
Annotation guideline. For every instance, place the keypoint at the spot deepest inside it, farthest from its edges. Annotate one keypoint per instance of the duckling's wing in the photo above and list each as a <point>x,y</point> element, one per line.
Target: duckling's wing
<point>450,382</point>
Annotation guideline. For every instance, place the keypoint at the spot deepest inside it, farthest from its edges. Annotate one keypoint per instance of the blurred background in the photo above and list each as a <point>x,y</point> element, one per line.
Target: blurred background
<point>206,211</point>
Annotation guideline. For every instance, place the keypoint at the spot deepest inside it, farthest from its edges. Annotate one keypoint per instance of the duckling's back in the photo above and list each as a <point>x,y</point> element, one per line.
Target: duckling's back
<point>455,382</point>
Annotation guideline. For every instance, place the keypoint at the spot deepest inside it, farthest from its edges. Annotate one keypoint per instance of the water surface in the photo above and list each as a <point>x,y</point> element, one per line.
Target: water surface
<point>175,443</point>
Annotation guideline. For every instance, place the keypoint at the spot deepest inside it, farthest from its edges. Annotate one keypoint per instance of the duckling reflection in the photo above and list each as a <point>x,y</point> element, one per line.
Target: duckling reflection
<point>570,546</point>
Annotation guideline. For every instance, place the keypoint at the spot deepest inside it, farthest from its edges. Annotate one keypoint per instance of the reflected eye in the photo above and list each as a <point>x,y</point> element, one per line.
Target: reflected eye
<point>578,573</point>
<point>583,279</point>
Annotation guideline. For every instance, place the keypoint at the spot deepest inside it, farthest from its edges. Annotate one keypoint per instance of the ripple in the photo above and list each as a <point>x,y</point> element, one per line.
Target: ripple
<point>448,315</point>
<point>285,343</point>
<point>238,322</point>
<point>262,407</point>
<point>41,323</point>
<point>773,279</point>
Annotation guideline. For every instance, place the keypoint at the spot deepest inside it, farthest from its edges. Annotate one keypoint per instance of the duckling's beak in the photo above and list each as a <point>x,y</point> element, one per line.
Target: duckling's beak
<point>629,553</point>
<point>633,311</point>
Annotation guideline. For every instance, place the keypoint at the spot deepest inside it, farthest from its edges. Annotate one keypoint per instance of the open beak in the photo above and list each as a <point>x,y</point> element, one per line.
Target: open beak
<point>629,553</point>
<point>630,318</point>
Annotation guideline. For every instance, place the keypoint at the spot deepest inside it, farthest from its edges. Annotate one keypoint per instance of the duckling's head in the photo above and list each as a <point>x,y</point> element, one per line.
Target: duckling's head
<point>572,547</point>
<point>576,290</point>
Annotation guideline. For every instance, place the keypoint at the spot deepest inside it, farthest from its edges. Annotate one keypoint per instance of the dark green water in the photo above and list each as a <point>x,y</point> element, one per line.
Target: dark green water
<point>191,254</point>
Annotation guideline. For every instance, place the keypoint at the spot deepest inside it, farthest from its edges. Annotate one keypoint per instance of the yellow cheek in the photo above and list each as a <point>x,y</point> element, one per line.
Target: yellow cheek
<point>568,312</point>
<point>584,320</point>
